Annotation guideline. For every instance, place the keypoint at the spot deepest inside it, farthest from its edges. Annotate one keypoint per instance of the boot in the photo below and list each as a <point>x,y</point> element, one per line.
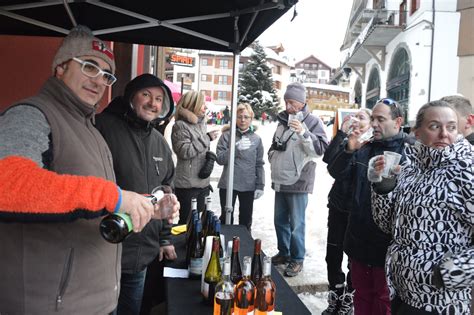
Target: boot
<point>333,302</point>
<point>346,303</point>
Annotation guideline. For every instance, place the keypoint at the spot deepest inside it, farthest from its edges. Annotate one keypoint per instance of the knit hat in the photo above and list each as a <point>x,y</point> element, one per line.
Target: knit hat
<point>147,80</point>
<point>296,91</point>
<point>81,42</point>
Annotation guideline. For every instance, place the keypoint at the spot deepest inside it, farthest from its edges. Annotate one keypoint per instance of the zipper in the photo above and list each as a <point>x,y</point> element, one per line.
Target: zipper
<point>65,277</point>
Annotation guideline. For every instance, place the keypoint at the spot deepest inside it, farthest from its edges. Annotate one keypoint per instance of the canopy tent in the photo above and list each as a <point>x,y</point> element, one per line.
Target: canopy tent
<point>222,25</point>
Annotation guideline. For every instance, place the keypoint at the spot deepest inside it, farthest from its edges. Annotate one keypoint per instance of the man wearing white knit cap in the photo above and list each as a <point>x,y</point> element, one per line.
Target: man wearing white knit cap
<point>57,183</point>
<point>298,140</point>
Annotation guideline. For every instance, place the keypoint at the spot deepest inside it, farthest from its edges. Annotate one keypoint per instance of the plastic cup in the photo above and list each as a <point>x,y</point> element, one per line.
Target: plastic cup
<point>391,159</point>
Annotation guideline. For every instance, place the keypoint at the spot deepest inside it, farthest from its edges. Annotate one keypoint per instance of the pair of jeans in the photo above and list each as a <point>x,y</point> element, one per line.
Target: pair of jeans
<point>245,206</point>
<point>131,293</point>
<point>337,225</point>
<point>184,196</point>
<point>289,220</point>
<point>371,295</point>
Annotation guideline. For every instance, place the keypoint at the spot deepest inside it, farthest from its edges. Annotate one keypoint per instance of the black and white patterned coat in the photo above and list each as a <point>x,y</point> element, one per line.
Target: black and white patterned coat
<point>430,214</point>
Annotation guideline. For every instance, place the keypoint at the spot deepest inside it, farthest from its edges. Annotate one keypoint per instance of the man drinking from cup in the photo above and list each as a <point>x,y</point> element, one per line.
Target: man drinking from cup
<point>365,244</point>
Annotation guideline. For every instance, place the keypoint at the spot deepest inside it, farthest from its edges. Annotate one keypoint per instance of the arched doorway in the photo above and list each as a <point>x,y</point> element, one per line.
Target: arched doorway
<point>358,94</point>
<point>398,81</point>
<point>373,88</point>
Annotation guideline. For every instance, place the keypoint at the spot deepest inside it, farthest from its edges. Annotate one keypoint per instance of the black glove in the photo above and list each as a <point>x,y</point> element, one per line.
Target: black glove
<point>208,166</point>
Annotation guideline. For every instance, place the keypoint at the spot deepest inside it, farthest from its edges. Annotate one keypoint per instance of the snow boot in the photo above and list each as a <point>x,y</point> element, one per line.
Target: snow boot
<point>346,306</point>
<point>333,301</point>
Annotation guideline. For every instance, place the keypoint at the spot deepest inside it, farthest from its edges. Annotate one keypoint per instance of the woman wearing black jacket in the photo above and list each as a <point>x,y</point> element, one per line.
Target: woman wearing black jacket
<point>339,201</point>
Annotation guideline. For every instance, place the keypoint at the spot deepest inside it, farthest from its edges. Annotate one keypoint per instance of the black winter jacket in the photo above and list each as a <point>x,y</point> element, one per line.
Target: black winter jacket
<point>339,195</point>
<point>364,241</point>
<point>142,161</point>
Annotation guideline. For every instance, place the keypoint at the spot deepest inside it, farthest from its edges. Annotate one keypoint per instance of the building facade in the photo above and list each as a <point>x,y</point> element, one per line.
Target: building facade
<point>402,49</point>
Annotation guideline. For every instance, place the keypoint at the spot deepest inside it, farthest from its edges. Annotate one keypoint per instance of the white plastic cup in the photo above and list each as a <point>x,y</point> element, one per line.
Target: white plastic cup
<point>391,159</point>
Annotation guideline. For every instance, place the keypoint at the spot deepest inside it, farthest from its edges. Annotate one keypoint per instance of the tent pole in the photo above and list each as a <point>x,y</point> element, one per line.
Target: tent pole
<point>233,117</point>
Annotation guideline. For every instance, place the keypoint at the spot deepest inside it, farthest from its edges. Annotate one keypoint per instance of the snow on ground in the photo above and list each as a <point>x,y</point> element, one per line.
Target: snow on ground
<point>311,283</point>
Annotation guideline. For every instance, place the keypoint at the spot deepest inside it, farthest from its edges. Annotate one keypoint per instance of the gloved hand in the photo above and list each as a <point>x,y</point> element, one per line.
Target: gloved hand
<point>244,143</point>
<point>257,194</point>
<point>208,166</point>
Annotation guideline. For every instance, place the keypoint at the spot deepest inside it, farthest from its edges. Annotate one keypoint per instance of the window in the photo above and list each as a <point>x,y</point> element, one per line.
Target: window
<point>205,62</point>
<point>373,89</point>
<point>222,79</point>
<point>277,69</point>
<point>205,77</point>
<point>415,5</point>
<point>222,95</point>
<point>223,63</point>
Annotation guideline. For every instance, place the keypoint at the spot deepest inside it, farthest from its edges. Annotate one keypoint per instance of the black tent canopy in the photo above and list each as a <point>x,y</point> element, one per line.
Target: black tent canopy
<point>221,25</point>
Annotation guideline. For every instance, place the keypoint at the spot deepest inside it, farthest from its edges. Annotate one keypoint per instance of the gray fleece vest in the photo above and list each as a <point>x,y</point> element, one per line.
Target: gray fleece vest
<point>64,267</point>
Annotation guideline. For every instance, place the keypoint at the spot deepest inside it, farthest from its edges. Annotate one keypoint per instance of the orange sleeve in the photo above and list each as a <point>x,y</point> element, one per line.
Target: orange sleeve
<point>31,193</point>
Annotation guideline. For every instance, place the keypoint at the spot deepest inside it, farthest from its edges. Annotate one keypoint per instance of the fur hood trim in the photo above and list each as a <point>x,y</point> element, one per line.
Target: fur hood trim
<point>186,115</point>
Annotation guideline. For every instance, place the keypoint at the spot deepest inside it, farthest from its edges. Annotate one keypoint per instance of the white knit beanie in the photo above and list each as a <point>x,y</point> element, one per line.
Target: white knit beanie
<point>81,42</point>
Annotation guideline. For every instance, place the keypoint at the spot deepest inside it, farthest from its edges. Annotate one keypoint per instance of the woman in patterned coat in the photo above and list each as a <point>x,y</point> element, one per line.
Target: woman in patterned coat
<point>429,210</point>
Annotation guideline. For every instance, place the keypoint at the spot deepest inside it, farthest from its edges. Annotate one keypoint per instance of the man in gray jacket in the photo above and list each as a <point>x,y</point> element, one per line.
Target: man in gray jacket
<point>298,140</point>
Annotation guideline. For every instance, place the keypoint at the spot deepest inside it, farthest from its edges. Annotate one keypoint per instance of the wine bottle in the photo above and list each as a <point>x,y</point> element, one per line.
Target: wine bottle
<point>257,262</point>
<point>189,242</point>
<point>213,273</point>
<point>189,219</point>
<point>217,232</point>
<point>235,268</point>
<point>224,298</point>
<point>245,291</point>
<point>196,253</point>
<point>206,213</point>
<point>266,290</point>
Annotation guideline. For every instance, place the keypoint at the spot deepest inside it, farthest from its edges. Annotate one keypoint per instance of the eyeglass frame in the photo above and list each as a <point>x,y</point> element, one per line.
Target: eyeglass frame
<point>101,72</point>
<point>398,112</point>
<point>244,117</point>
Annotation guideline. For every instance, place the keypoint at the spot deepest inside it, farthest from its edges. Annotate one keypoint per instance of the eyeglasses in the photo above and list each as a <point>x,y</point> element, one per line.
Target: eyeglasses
<point>92,71</point>
<point>243,117</point>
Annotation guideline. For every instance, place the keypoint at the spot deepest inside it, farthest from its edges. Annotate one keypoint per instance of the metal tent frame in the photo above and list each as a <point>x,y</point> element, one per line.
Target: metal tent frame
<point>222,25</point>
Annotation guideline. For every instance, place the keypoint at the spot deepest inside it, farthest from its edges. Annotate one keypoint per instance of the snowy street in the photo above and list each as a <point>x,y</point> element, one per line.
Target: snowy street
<point>311,283</point>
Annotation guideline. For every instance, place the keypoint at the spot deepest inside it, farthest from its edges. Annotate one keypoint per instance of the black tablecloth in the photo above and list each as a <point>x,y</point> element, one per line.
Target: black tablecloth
<point>183,296</point>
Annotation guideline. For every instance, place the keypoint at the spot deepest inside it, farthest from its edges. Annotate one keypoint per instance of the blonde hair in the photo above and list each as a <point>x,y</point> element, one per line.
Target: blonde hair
<point>192,101</point>
<point>247,107</point>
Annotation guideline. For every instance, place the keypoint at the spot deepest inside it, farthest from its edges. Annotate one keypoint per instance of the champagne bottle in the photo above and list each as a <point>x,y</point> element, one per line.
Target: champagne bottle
<point>245,291</point>
<point>266,291</point>
<point>224,298</point>
<point>115,227</point>
<point>213,273</point>
<point>235,268</point>
<point>257,262</point>
<point>196,253</point>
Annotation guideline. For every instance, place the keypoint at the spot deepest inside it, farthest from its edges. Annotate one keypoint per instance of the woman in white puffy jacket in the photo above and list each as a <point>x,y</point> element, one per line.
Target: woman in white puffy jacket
<point>429,210</point>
